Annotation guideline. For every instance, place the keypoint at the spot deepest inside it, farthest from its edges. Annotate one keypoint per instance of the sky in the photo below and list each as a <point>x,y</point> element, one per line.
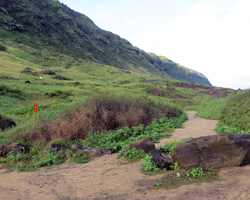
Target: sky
<point>209,36</point>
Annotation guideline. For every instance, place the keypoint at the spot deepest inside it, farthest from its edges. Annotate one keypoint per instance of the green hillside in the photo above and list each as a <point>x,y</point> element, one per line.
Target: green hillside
<point>179,72</point>
<point>52,26</point>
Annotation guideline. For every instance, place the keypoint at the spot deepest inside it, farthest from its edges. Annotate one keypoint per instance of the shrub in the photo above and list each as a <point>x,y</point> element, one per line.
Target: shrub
<point>3,48</point>
<point>62,78</point>
<point>49,72</point>
<point>134,154</point>
<point>104,112</point>
<point>29,71</point>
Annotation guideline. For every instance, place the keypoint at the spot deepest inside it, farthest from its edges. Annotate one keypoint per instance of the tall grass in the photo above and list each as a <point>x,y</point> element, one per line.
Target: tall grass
<point>211,109</point>
<point>237,111</point>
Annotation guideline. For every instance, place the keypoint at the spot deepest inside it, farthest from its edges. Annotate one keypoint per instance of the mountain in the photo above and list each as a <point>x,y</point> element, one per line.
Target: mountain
<point>177,71</point>
<point>50,25</point>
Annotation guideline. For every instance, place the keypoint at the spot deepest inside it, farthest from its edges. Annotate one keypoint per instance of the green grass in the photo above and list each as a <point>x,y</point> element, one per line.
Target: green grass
<point>237,111</point>
<point>211,109</point>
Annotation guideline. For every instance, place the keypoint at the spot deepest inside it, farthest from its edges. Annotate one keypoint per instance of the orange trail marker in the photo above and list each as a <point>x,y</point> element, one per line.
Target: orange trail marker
<point>35,110</point>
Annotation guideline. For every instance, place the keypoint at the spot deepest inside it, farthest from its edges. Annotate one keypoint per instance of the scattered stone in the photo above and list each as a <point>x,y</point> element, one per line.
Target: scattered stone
<point>217,151</point>
<point>54,147</point>
<point>89,150</point>
<point>5,148</point>
<point>145,144</point>
<point>78,147</point>
<point>162,160</point>
<point>100,151</point>
<point>5,123</point>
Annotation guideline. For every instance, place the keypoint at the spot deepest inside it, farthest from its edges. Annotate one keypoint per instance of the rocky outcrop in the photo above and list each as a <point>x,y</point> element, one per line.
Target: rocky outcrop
<point>217,151</point>
<point>145,144</point>
<point>89,150</point>
<point>5,148</point>
<point>5,123</point>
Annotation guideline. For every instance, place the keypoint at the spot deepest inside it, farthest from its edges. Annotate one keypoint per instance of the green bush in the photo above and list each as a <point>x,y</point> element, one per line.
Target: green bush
<point>134,154</point>
<point>149,165</point>
<point>117,140</point>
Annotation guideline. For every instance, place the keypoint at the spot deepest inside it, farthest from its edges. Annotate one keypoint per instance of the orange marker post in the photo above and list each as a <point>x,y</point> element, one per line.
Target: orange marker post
<point>35,110</point>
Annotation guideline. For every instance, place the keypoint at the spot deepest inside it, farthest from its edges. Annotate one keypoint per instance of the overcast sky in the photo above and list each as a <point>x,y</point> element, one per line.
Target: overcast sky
<point>209,36</point>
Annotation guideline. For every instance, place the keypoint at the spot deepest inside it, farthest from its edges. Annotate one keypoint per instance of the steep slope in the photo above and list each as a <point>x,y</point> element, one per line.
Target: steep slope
<point>177,71</point>
<point>48,24</point>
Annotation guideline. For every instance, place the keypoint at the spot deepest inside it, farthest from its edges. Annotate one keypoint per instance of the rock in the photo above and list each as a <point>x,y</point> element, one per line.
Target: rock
<point>89,150</point>
<point>78,147</point>
<point>5,123</point>
<point>101,151</point>
<point>162,160</point>
<point>145,144</point>
<point>5,148</point>
<point>54,147</point>
<point>217,151</point>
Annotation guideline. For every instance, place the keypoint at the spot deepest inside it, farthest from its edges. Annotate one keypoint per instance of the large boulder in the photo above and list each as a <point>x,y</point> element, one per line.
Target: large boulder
<point>145,144</point>
<point>5,123</point>
<point>217,151</point>
<point>5,148</point>
<point>89,150</point>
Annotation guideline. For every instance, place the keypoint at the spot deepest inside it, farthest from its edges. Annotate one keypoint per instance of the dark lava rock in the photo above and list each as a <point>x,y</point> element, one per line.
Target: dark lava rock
<point>217,151</point>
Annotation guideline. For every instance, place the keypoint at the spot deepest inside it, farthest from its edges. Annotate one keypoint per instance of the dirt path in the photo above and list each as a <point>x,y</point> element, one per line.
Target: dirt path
<point>105,178</point>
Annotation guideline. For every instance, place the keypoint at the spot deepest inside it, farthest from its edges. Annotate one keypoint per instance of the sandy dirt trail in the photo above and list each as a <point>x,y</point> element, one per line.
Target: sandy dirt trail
<point>105,178</point>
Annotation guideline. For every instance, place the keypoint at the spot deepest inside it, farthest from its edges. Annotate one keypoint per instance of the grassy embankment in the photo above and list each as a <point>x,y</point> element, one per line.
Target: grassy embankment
<point>233,112</point>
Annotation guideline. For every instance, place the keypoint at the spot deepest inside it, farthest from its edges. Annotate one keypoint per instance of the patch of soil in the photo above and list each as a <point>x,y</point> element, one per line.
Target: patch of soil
<point>87,181</point>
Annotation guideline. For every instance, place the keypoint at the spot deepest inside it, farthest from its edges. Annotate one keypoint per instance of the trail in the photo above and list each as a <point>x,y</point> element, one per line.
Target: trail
<point>105,178</point>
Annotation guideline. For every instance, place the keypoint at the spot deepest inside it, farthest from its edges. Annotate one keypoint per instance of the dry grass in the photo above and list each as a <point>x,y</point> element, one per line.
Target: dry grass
<point>102,112</point>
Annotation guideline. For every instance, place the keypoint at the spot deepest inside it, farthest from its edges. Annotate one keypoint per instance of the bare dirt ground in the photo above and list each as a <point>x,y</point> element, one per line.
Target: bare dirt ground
<point>105,178</point>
